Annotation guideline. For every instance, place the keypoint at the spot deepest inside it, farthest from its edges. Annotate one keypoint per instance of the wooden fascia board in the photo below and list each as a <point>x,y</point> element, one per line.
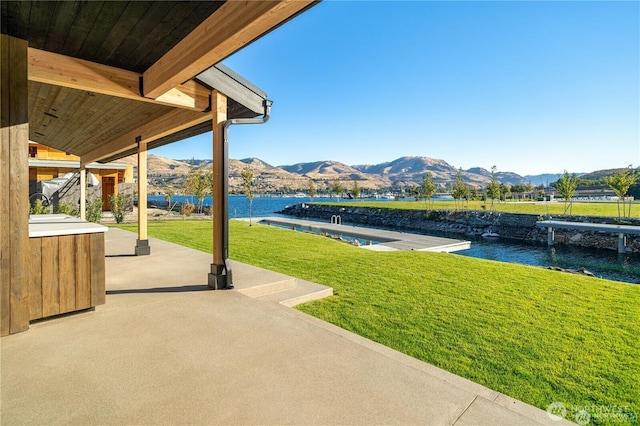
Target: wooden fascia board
<point>60,70</point>
<point>234,25</point>
<point>167,124</point>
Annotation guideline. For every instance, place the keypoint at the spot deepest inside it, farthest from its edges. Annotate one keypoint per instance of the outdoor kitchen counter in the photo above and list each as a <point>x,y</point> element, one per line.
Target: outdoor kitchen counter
<point>67,265</point>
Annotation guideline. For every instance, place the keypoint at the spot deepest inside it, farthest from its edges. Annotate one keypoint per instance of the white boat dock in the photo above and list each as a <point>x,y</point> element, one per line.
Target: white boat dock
<point>620,230</point>
<point>384,240</point>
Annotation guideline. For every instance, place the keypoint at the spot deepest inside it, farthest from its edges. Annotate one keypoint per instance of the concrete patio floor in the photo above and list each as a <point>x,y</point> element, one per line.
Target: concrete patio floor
<point>164,350</point>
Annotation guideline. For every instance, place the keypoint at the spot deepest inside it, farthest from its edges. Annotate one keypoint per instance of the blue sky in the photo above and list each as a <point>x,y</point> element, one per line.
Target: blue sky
<point>530,86</point>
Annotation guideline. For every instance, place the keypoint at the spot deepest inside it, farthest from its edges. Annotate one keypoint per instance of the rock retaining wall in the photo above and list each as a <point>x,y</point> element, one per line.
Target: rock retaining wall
<point>508,225</point>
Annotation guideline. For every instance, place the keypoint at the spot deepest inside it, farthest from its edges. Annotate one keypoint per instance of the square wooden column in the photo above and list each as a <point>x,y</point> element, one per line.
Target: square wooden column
<point>142,244</point>
<point>83,192</point>
<point>220,275</point>
<point>14,187</point>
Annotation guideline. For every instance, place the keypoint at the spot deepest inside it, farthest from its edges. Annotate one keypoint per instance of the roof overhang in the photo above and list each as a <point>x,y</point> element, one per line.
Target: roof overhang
<point>102,74</point>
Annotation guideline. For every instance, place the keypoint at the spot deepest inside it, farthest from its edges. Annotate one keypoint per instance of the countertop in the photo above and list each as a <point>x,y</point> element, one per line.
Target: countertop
<point>49,225</point>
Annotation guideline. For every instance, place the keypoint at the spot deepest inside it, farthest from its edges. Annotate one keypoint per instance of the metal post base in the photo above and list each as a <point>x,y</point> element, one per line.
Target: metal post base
<point>218,278</point>
<point>142,248</point>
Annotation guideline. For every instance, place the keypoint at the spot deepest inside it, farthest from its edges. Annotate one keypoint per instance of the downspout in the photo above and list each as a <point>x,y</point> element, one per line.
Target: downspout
<point>225,208</point>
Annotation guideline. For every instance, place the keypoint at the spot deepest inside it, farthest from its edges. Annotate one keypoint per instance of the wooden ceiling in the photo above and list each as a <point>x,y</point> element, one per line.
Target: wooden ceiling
<point>79,121</point>
<point>127,35</point>
<point>102,73</point>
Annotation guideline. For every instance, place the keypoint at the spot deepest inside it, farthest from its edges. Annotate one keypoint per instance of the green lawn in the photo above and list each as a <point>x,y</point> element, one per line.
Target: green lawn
<point>553,208</point>
<point>536,335</point>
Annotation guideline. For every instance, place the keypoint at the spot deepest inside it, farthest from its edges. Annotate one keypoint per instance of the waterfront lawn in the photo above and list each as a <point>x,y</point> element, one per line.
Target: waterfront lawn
<point>551,208</point>
<point>536,335</point>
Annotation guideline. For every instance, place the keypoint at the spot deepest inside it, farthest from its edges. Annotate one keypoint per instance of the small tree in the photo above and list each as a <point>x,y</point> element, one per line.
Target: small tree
<point>117,203</point>
<point>459,190</point>
<point>566,187</point>
<point>428,189</point>
<point>475,194</point>
<point>247,184</point>
<point>168,195</point>
<point>355,191</point>
<point>620,183</point>
<point>493,190</point>
<point>337,188</point>
<point>505,192</point>
<point>199,184</point>
<point>312,189</point>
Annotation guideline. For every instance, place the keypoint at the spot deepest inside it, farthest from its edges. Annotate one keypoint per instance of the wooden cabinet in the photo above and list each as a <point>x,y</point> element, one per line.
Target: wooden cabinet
<point>66,274</point>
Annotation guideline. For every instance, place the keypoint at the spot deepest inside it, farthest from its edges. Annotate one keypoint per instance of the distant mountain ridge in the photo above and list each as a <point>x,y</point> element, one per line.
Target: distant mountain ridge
<point>402,172</point>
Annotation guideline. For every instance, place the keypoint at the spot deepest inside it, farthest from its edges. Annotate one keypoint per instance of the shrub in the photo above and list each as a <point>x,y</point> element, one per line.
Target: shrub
<point>432,215</point>
<point>94,210</point>
<point>38,208</point>
<point>65,208</point>
<point>117,203</point>
<point>186,209</point>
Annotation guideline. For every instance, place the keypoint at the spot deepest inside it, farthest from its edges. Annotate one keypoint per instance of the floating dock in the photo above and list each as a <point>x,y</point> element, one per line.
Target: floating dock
<point>384,240</point>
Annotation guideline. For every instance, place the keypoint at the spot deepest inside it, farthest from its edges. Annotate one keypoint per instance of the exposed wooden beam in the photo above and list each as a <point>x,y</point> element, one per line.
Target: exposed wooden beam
<point>188,95</point>
<point>60,70</point>
<point>169,123</point>
<point>234,25</point>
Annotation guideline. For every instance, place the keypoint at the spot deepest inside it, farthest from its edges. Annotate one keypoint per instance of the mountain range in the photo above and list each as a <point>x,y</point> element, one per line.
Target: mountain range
<point>403,172</point>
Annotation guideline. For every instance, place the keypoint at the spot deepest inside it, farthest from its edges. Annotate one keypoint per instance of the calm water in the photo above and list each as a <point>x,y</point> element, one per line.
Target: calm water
<point>239,206</point>
<point>606,264</point>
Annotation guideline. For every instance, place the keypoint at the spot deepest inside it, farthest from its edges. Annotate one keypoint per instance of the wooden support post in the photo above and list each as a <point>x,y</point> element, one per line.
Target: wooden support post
<point>550,236</point>
<point>83,192</point>
<point>142,244</point>
<point>217,277</point>
<point>14,187</point>
<point>622,243</point>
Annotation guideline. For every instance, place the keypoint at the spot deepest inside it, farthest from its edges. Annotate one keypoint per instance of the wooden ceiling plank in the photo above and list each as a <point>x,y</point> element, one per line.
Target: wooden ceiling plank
<point>169,31</point>
<point>93,118</point>
<point>39,20</point>
<point>167,124</point>
<point>137,36</point>
<point>19,13</point>
<point>67,116</point>
<point>109,13</point>
<point>38,97</point>
<point>60,24</point>
<point>120,116</point>
<point>235,24</point>
<point>60,70</point>
<point>122,29</point>
<point>80,30</point>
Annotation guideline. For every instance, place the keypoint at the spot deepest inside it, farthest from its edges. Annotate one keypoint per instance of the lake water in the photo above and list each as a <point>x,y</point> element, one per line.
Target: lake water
<point>606,264</point>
